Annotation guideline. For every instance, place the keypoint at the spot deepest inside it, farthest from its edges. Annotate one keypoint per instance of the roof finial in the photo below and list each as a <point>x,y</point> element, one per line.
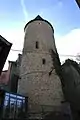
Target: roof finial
<point>38,18</point>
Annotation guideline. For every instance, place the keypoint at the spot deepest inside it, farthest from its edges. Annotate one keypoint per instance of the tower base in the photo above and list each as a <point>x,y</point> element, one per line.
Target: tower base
<point>47,112</point>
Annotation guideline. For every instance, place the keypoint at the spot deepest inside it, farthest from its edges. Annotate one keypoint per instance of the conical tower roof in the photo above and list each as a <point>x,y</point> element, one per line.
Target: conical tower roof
<point>39,18</point>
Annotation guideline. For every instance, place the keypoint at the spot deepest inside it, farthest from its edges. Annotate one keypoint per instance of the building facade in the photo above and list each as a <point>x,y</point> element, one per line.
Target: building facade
<point>39,79</point>
<point>9,78</point>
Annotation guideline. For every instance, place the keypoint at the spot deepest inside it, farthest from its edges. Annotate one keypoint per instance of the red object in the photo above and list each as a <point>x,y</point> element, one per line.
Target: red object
<point>5,76</point>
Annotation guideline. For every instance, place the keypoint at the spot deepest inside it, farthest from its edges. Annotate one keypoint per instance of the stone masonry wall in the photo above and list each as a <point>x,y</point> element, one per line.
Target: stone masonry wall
<point>36,83</point>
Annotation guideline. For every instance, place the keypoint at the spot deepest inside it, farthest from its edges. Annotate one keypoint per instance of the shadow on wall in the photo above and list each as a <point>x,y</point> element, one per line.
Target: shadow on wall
<point>71,79</point>
<point>57,116</point>
<point>71,85</point>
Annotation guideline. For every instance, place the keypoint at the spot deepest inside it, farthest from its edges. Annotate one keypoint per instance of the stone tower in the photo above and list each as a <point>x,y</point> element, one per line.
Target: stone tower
<point>39,79</point>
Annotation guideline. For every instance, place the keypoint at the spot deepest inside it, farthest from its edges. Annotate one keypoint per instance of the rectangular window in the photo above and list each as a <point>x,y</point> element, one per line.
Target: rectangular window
<point>37,45</point>
<point>14,106</point>
<point>43,61</point>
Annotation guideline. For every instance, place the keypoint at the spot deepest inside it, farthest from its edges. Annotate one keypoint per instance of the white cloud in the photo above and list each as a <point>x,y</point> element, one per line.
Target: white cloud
<point>69,44</point>
<point>16,37</point>
<point>24,9</point>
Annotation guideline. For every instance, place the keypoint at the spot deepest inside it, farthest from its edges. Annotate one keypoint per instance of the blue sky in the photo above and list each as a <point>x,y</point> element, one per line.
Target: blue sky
<point>64,15</point>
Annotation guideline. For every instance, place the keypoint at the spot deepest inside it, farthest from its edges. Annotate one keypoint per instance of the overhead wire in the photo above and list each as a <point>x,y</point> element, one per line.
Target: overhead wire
<point>62,55</point>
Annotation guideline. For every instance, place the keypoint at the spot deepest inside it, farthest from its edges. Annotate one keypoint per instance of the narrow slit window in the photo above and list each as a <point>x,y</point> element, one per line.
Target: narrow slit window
<point>43,61</point>
<point>37,45</point>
